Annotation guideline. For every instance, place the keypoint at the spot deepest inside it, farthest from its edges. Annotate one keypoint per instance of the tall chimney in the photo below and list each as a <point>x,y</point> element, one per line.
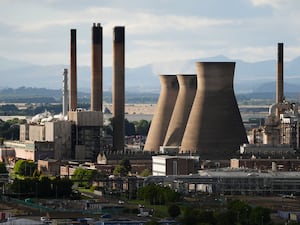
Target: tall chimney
<point>182,108</point>
<point>73,72</point>
<point>97,77</point>
<point>65,93</point>
<point>163,113</point>
<point>118,92</point>
<point>279,80</point>
<point>215,128</point>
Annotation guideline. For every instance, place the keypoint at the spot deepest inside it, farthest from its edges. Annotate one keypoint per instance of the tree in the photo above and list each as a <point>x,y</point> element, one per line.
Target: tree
<point>157,195</point>
<point>189,216</point>
<point>44,187</point>
<point>25,167</point>
<point>174,210</point>
<point>240,210</point>
<point>62,187</point>
<point>126,163</point>
<point>146,172</point>
<point>142,127</point>
<point>3,168</point>
<point>123,168</point>
<point>129,128</point>
<point>260,215</point>
<point>84,176</point>
<point>120,170</point>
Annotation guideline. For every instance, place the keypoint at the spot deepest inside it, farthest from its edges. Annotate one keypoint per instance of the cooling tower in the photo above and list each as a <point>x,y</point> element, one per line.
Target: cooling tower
<point>73,71</point>
<point>97,77</point>
<point>163,113</point>
<point>279,80</point>
<point>182,108</point>
<point>214,129</point>
<point>118,92</point>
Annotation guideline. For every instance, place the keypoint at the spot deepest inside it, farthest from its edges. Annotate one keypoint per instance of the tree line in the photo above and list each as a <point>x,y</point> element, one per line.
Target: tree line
<point>140,127</point>
<point>30,182</point>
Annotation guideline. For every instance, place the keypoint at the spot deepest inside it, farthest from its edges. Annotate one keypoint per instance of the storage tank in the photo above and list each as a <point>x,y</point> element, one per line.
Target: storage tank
<point>163,113</point>
<point>182,108</point>
<point>214,129</point>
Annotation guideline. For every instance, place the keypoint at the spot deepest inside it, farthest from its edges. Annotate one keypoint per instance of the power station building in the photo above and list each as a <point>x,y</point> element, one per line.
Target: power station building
<point>77,133</point>
<point>281,129</point>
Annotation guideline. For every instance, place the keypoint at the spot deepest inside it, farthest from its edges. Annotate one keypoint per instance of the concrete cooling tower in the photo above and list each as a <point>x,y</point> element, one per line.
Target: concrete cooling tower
<point>163,113</point>
<point>214,129</point>
<point>182,108</point>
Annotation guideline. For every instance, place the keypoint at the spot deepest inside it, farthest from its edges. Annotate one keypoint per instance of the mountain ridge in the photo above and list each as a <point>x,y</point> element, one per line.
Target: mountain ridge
<point>249,76</point>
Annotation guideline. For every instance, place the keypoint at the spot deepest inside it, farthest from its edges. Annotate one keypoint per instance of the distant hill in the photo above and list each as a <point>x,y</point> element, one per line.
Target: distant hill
<point>249,77</point>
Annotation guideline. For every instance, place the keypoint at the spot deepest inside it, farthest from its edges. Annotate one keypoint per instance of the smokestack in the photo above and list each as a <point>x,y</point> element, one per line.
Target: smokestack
<point>118,92</point>
<point>279,81</point>
<point>73,72</point>
<point>97,77</point>
<point>65,93</point>
<point>163,113</point>
<point>182,108</point>
<point>214,129</point>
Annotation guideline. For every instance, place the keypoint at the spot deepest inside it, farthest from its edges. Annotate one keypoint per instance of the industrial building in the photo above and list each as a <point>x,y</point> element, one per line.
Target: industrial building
<point>277,140</point>
<point>77,133</point>
<point>164,165</point>
<point>232,181</point>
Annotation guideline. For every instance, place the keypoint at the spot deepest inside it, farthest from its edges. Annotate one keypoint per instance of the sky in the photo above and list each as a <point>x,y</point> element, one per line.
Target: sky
<point>38,31</point>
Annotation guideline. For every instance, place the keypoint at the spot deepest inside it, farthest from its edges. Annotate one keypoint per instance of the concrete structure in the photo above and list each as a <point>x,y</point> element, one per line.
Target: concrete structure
<point>267,164</point>
<point>56,132</point>
<point>139,161</point>
<point>267,150</point>
<point>49,167</point>
<point>32,150</point>
<point>214,129</point>
<point>65,96</point>
<point>79,137</point>
<point>164,165</point>
<point>36,132</point>
<point>86,134</point>
<point>118,92</point>
<point>281,125</point>
<point>161,118</point>
<point>181,111</point>
<point>73,71</point>
<point>279,80</point>
<point>59,132</point>
<point>97,77</point>
<point>232,182</point>
<point>24,132</point>
<point>7,155</point>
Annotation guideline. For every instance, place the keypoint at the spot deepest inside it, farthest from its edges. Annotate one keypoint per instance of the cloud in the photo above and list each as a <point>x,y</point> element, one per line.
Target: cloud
<point>156,31</point>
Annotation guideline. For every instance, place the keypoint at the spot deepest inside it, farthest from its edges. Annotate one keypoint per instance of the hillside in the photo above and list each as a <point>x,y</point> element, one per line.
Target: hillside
<point>249,77</point>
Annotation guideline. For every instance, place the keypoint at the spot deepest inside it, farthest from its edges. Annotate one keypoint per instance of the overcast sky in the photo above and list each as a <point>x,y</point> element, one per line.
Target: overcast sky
<point>38,31</point>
